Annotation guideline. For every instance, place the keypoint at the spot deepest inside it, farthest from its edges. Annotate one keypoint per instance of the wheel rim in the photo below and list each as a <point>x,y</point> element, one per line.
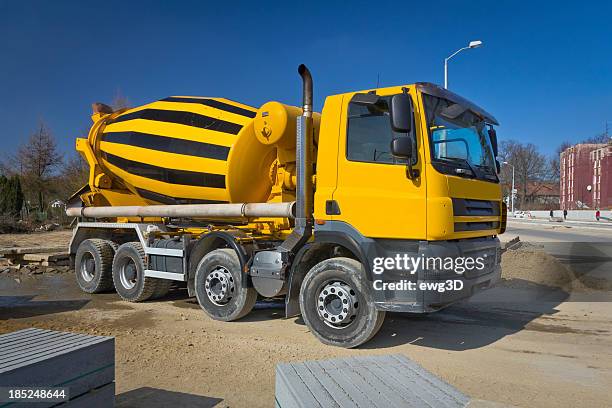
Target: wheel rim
<point>88,267</point>
<point>337,304</point>
<point>128,274</point>
<point>219,285</point>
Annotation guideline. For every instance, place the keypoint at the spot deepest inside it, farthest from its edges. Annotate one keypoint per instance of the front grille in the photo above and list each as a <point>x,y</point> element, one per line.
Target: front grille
<point>465,207</point>
<point>468,207</point>
<point>476,226</point>
<point>429,274</point>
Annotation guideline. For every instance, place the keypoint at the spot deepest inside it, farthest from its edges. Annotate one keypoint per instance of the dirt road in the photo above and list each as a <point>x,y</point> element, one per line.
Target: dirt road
<point>43,239</point>
<point>521,343</point>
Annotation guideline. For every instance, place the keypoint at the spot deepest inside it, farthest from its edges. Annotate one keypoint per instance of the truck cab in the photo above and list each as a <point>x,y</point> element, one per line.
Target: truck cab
<point>453,160</point>
<point>438,199</point>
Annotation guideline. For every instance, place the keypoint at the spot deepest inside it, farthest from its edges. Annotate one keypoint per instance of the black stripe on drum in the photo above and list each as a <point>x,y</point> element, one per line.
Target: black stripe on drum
<point>164,199</point>
<point>183,177</point>
<point>168,144</point>
<point>213,104</point>
<point>181,118</point>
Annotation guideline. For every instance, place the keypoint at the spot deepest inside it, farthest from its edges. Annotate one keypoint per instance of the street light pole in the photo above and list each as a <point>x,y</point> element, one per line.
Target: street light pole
<point>511,192</point>
<point>472,44</point>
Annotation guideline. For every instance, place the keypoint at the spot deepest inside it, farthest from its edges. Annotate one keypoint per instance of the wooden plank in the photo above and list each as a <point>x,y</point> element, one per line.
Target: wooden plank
<point>46,257</point>
<point>371,381</point>
<point>59,257</point>
<point>32,250</point>
<point>36,257</point>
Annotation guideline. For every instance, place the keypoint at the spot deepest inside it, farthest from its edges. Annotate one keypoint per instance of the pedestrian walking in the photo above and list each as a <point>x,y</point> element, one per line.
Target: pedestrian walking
<point>597,214</point>
<point>565,215</point>
<point>551,214</point>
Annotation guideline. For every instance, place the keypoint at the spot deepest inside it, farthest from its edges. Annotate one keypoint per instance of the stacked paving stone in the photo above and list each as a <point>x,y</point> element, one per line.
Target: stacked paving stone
<point>83,364</point>
<point>374,381</point>
<point>34,261</point>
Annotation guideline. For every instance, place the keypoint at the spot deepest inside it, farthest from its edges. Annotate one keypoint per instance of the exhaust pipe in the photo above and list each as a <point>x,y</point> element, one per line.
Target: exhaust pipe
<point>306,90</point>
<point>304,188</point>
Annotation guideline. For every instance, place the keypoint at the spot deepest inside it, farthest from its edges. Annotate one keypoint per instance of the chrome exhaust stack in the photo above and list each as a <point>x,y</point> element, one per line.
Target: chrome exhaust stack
<point>304,150</point>
<point>268,269</point>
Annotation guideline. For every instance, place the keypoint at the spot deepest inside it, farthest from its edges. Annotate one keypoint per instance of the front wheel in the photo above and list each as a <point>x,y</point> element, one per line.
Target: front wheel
<point>336,305</point>
<point>219,289</point>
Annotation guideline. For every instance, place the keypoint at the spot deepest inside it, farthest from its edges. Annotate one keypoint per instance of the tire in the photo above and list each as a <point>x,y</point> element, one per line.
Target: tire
<point>336,289</point>
<point>114,245</point>
<point>93,266</point>
<point>128,274</point>
<point>217,268</point>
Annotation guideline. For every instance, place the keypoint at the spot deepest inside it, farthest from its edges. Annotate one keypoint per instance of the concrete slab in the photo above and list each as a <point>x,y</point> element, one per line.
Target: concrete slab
<point>373,381</point>
<point>46,358</point>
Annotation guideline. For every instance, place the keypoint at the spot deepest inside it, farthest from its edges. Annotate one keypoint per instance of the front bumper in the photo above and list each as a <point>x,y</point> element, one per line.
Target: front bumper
<point>430,288</point>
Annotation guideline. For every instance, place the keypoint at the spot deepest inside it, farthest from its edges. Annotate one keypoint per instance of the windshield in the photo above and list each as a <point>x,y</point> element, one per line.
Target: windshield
<point>459,140</point>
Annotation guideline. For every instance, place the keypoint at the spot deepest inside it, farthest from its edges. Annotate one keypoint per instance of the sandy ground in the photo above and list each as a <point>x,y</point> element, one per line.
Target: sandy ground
<point>44,239</point>
<point>523,343</point>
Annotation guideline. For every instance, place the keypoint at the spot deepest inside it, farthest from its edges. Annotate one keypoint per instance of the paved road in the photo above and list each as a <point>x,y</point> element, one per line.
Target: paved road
<point>546,231</point>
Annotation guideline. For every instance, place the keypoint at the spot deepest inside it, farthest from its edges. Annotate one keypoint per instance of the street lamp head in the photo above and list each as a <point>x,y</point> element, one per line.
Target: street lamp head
<point>472,44</point>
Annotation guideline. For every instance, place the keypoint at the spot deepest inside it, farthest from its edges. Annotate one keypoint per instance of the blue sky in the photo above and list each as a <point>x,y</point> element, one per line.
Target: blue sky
<point>545,70</point>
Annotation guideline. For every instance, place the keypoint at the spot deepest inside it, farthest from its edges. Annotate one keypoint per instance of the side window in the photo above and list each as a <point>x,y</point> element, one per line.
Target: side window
<point>369,133</point>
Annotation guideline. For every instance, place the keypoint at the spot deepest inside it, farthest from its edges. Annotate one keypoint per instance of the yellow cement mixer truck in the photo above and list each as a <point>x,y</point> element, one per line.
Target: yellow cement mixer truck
<point>329,210</point>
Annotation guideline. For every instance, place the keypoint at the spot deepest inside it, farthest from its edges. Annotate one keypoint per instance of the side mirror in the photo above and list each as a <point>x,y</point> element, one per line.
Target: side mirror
<point>401,147</point>
<point>401,113</point>
<point>493,137</point>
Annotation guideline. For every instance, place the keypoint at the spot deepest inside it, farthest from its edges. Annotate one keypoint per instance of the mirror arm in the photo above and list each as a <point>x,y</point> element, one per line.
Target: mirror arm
<point>410,172</point>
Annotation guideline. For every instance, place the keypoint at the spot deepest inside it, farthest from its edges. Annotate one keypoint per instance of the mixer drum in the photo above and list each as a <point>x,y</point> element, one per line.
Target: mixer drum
<point>183,150</point>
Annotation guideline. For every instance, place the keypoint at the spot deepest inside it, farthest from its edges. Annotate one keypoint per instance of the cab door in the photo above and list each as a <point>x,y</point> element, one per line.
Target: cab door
<point>373,192</point>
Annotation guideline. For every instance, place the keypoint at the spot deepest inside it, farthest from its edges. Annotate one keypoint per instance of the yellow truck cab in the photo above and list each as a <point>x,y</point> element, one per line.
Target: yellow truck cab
<point>389,200</point>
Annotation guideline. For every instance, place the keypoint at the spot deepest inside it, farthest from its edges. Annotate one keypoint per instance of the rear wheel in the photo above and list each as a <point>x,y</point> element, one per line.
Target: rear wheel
<point>93,266</point>
<point>219,289</point>
<point>336,305</point>
<point>128,273</point>
<point>114,245</point>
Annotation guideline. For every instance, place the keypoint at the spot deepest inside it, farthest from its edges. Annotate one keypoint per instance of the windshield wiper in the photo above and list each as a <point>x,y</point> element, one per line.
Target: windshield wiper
<point>490,174</point>
<point>461,171</point>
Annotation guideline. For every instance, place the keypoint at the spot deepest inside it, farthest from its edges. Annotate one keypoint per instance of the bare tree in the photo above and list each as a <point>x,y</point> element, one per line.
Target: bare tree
<point>120,101</point>
<point>74,174</point>
<point>36,162</point>
<point>531,166</point>
<point>601,138</point>
<point>554,163</point>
